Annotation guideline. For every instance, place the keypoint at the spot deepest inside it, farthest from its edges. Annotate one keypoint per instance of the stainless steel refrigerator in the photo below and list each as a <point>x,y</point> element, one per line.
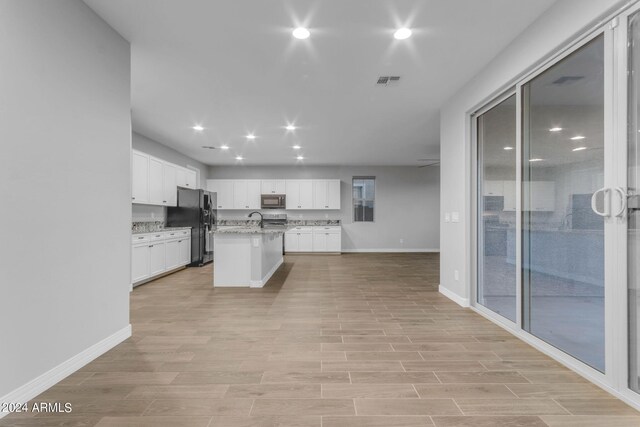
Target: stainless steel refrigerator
<point>196,209</point>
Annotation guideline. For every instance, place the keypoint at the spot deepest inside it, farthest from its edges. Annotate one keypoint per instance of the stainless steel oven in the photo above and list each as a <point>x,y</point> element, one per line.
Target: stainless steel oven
<point>273,201</point>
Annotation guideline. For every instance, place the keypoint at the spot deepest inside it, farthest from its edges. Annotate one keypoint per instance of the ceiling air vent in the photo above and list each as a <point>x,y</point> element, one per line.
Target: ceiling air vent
<point>388,80</point>
<point>567,80</point>
<point>209,147</point>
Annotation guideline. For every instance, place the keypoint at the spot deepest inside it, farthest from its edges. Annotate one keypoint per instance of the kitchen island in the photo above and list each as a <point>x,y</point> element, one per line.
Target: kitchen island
<point>246,256</point>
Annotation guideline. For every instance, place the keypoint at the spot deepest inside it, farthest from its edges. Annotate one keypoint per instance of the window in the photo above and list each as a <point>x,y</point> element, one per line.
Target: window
<point>364,197</point>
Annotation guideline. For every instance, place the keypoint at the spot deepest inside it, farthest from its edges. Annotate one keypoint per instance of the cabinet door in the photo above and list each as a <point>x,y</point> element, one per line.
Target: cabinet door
<point>293,194</point>
<point>240,200</point>
<point>185,251</point>
<point>509,193</point>
<point>320,194</point>
<point>280,186</point>
<point>268,186</point>
<point>156,179</point>
<point>305,242</point>
<point>172,256</point>
<point>333,193</point>
<point>319,241</point>
<point>225,195</point>
<point>253,194</point>
<point>305,200</point>
<point>139,178</point>
<point>290,242</point>
<point>492,188</point>
<point>181,177</point>
<point>191,178</point>
<point>543,194</point>
<point>169,184</point>
<point>157,263</point>
<point>334,242</point>
<point>139,263</point>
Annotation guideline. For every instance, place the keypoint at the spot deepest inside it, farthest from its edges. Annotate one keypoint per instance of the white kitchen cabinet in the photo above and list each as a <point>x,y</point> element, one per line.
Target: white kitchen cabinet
<point>299,239</point>
<point>299,194</point>
<point>173,254</point>
<point>169,185</point>
<point>327,239</point>
<point>246,194</point>
<point>273,186</point>
<point>224,192</point>
<point>157,258</point>
<point>509,194</point>
<point>156,181</point>
<point>185,177</point>
<point>139,177</point>
<point>543,196</point>
<point>326,194</point>
<point>139,262</point>
<point>192,178</point>
<point>185,250</point>
<point>492,188</point>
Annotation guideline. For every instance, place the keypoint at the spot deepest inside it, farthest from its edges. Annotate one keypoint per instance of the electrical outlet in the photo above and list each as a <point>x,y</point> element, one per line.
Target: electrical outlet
<point>401,241</point>
<point>326,216</point>
<point>456,275</point>
<point>153,215</point>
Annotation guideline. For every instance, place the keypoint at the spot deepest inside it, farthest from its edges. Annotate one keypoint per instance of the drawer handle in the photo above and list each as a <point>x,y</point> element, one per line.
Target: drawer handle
<point>133,198</point>
<point>150,246</point>
<point>140,238</point>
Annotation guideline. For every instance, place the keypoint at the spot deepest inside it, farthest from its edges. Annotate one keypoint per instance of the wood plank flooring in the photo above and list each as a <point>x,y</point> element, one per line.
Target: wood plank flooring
<point>331,341</point>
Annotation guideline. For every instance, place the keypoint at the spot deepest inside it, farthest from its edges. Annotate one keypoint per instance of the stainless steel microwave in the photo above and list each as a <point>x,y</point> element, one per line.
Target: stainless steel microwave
<point>273,201</point>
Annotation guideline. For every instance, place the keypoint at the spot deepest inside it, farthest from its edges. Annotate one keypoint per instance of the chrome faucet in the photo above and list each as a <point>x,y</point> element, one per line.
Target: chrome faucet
<point>261,223</point>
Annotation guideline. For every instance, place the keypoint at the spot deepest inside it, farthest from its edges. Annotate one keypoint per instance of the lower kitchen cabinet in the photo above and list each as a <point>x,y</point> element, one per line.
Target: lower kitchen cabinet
<point>153,254</point>
<point>313,239</point>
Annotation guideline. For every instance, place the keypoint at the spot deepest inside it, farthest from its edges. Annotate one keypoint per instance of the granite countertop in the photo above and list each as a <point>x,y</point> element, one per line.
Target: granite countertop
<point>248,230</point>
<point>142,231</point>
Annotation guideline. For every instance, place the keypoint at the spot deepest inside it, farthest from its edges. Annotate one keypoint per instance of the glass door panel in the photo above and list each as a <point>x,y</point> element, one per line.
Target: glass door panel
<point>562,236</point>
<point>497,209</point>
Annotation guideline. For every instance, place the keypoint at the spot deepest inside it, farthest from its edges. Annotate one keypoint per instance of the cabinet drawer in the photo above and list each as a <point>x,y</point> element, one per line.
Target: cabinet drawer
<point>301,230</point>
<point>140,238</point>
<point>327,229</point>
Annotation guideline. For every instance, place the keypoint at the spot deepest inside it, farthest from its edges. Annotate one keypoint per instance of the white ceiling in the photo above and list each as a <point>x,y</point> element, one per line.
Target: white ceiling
<point>233,66</point>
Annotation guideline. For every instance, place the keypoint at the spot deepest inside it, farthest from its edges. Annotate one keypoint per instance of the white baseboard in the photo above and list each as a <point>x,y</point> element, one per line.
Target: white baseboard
<point>265,279</point>
<point>392,250</point>
<point>463,302</point>
<point>36,386</point>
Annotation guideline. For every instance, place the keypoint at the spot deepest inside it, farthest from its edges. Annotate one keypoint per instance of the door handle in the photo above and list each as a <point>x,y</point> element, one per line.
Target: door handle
<point>606,200</point>
<point>623,201</point>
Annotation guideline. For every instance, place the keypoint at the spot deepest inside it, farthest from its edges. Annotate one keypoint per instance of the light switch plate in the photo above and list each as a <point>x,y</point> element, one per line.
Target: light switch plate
<point>455,217</point>
<point>447,217</point>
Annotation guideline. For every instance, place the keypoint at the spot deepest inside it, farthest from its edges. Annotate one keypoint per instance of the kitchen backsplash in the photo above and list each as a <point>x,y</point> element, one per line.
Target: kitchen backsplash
<point>146,226</point>
<point>255,222</point>
<point>148,213</point>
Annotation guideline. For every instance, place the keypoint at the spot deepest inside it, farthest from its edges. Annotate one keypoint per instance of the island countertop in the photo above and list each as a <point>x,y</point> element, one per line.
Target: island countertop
<point>248,230</point>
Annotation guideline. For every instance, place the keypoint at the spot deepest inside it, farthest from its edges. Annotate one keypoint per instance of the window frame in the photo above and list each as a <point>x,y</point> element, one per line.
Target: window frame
<point>372,200</point>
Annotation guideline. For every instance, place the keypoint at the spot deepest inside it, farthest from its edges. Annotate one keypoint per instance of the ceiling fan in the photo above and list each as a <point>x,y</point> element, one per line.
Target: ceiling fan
<point>429,162</point>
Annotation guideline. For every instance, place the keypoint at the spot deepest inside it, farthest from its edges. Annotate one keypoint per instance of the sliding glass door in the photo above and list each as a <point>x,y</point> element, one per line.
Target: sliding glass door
<point>563,205</point>
<point>496,272</point>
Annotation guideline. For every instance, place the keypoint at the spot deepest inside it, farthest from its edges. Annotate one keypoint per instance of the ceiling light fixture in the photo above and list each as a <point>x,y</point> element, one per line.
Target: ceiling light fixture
<point>224,147</point>
<point>296,147</point>
<point>402,33</point>
<point>508,148</point>
<point>536,160</point>
<point>198,128</point>
<point>301,33</point>
<point>579,148</point>
<point>577,138</point>
<point>251,136</point>
<point>239,158</point>
<point>300,158</point>
<point>290,127</point>
<point>555,129</point>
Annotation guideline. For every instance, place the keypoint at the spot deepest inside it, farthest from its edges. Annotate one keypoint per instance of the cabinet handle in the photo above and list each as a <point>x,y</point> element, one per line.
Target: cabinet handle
<point>220,206</point>
<point>179,241</point>
<point>150,246</point>
<point>133,198</point>
<point>164,201</point>
<point>140,238</point>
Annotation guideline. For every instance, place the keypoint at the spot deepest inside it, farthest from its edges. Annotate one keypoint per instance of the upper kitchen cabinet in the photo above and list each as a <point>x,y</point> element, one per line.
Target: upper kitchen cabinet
<point>186,178</point>
<point>299,194</point>
<point>543,196</point>
<point>156,182</point>
<point>326,194</point>
<point>169,185</point>
<point>273,186</point>
<point>246,194</point>
<point>139,178</point>
<point>493,188</point>
<point>224,192</point>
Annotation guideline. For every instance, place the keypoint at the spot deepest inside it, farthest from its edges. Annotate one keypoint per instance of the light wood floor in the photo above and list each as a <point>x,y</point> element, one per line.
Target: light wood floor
<point>331,341</point>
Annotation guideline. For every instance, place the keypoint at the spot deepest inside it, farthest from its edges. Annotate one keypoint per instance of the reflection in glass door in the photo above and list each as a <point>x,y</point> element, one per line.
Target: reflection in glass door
<point>563,223</point>
<point>496,222</point>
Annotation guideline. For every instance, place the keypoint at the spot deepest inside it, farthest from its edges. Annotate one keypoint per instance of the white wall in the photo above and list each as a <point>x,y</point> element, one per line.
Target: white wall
<point>407,203</point>
<point>65,140</point>
<point>557,26</point>
<point>154,148</point>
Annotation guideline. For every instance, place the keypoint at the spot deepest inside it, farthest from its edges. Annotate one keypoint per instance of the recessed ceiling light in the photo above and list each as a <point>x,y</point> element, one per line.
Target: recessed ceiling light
<point>536,160</point>
<point>508,148</point>
<point>301,33</point>
<point>577,138</point>
<point>251,136</point>
<point>555,129</point>
<point>402,33</point>
<point>296,147</point>
<point>300,158</point>
<point>239,157</point>
<point>290,127</point>
<point>198,128</point>
<point>224,147</point>
<point>579,148</point>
